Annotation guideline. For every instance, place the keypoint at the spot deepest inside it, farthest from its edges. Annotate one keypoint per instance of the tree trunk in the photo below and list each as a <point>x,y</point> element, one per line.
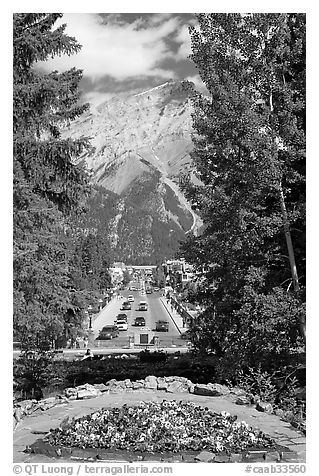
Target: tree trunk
<point>291,254</point>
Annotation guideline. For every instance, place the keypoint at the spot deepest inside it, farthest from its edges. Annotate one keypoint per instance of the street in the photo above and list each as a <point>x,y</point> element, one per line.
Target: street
<point>156,311</point>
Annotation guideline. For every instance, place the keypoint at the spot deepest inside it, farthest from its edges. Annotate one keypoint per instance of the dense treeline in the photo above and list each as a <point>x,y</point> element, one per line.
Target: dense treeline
<point>249,153</point>
<point>50,190</point>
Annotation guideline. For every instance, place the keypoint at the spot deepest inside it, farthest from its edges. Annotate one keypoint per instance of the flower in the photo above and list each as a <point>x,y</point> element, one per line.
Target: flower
<point>158,427</point>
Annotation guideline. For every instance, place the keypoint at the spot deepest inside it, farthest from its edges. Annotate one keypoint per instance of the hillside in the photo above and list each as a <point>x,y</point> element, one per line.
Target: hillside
<point>140,143</point>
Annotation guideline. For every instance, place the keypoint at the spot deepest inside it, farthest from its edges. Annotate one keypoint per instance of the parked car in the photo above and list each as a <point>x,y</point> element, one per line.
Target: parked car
<point>121,324</point>
<point>156,289</point>
<point>162,326</point>
<point>108,332</point>
<point>139,321</point>
<point>126,306</point>
<point>149,291</point>
<point>142,306</point>
<point>130,298</point>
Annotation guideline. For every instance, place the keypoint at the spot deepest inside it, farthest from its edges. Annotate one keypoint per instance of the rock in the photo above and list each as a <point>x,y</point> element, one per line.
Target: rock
<point>238,391</point>
<point>169,379</point>
<point>128,383</point>
<point>235,458</point>
<point>137,385</point>
<point>151,382</point>
<point>70,392</point>
<point>211,390</point>
<point>88,393</point>
<point>47,403</point>
<point>264,407</point>
<point>18,414</point>
<point>222,459</point>
<point>177,387</point>
<point>243,400</point>
<point>111,382</point>
<point>47,406</point>
<point>101,387</point>
<point>180,379</point>
<point>161,383</point>
<point>278,412</point>
<point>272,457</point>
<point>191,388</point>
<point>26,405</point>
<point>205,457</point>
<point>254,398</point>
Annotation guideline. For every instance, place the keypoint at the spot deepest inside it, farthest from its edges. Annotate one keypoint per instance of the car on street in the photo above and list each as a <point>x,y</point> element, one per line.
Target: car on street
<point>122,316</point>
<point>162,326</point>
<point>139,321</point>
<point>130,298</point>
<point>149,291</point>
<point>156,289</point>
<point>126,306</point>
<point>108,332</point>
<point>121,324</point>
<point>142,306</point>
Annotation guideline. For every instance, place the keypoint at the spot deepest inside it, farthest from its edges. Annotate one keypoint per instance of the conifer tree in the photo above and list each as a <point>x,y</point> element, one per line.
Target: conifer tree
<point>48,185</point>
<point>249,152</point>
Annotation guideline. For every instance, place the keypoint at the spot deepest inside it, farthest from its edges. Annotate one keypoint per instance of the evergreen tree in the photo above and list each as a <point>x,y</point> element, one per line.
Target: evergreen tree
<point>249,151</point>
<point>48,185</point>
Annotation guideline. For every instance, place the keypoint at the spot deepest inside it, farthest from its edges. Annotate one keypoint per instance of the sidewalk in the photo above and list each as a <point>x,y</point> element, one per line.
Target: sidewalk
<point>175,316</point>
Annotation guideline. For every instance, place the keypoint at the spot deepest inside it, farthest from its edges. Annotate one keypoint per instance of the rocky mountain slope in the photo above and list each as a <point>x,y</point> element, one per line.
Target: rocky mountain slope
<point>140,143</point>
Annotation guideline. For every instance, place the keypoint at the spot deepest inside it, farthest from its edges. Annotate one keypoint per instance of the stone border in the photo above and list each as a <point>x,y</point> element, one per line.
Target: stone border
<point>172,384</point>
<point>279,454</point>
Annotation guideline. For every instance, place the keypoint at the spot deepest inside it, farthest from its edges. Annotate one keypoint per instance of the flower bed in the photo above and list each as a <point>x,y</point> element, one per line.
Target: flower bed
<point>160,427</point>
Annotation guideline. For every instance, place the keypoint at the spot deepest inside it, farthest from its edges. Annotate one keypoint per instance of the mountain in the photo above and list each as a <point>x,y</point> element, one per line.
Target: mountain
<point>140,144</point>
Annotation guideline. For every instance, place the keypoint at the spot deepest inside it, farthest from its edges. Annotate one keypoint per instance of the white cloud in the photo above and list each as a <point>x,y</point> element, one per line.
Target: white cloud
<point>119,50</point>
<point>183,37</point>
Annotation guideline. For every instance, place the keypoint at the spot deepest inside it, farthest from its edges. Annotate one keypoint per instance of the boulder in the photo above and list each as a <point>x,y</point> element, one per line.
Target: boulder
<point>177,387</point>
<point>205,457</point>
<point>151,382</point>
<point>18,414</point>
<point>47,403</point>
<point>100,386</point>
<point>26,405</point>
<point>278,412</point>
<point>264,407</point>
<point>70,392</point>
<point>137,385</point>
<point>179,379</point>
<point>128,383</point>
<point>161,383</point>
<point>87,391</point>
<point>211,390</point>
<point>238,391</point>
<point>169,379</point>
<point>242,400</point>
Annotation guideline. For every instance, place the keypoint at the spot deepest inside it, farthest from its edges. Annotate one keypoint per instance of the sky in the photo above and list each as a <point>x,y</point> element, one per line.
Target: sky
<point>127,51</point>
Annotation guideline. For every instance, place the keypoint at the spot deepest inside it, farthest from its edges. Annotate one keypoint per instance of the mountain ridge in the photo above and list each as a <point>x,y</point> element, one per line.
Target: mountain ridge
<point>137,140</point>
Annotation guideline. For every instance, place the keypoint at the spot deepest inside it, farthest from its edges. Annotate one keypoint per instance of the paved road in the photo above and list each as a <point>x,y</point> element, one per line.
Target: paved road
<point>156,311</point>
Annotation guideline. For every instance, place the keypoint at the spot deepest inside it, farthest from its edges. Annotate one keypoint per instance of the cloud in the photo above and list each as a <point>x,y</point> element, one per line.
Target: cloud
<point>183,37</point>
<point>117,48</point>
